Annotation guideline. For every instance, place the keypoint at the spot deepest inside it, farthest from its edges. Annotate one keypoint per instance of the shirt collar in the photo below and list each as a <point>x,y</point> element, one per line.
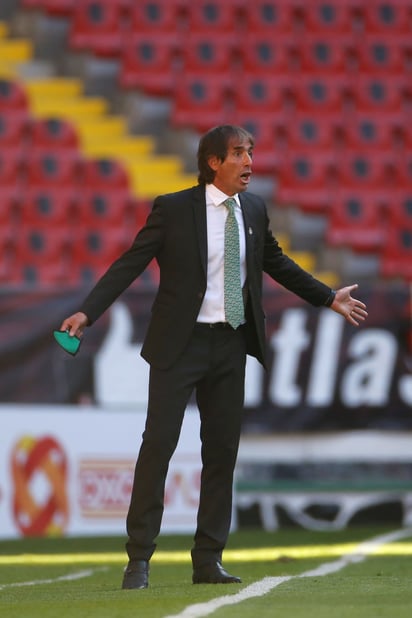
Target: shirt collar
<point>217,197</point>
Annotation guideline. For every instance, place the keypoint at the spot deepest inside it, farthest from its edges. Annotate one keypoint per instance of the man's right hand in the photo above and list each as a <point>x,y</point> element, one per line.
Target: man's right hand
<point>75,324</point>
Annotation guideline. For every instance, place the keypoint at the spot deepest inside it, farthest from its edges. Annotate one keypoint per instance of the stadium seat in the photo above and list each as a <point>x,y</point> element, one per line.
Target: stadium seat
<point>260,94</point>
<point>105,174</point>
<point>158,17</point>
<point>322,55</point>
<point>304,130</point>
<point>97,26</point>
<point>403,170</point>
<point>52,208</point>
<point>387,17</point>
<point>14,130</point>
<point>356,220</point>
<point>11,168</point>
<point>264,54</point>
<point>379,94</point>
<point>396,254</point>
<point>271,17</point>
<point>148,63</point>
<point>306,179</point>
<point>204,53</point>
<point>9,210</point>
<point>12,96</point>
<point>40,258</point>
<point>215,16</point>
<point>54,133</point>
<point>371,130</point>
<point>364,170</point>
<point>92,252</point>
<point>320,94</point>
<point>102,209</point>
<point>375,54</point>
<point>52,169</point>
<point>200,101</point>
<point>329,17</point>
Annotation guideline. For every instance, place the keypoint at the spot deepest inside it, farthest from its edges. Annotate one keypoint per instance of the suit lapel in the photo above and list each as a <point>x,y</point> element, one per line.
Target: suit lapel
<point>199,210</point>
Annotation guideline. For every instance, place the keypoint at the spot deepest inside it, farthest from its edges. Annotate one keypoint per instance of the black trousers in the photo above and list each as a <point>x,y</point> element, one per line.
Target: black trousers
<point>212,365</point>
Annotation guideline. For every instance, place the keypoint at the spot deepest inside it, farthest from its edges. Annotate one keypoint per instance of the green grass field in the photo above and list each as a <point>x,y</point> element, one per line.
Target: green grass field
<point>81,578</point>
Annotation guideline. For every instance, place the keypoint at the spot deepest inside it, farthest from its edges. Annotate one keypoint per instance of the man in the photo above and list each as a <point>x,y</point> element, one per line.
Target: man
<point>194,342</point>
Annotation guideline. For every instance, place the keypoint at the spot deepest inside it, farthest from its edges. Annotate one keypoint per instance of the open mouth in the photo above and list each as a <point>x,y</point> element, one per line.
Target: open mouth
<point>246,176</point>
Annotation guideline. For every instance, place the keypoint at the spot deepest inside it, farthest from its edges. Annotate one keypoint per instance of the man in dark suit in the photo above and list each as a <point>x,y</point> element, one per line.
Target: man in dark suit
<point>193,345</point>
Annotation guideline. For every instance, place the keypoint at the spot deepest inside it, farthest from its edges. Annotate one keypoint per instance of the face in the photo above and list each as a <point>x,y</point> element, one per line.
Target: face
<point>233,174</point>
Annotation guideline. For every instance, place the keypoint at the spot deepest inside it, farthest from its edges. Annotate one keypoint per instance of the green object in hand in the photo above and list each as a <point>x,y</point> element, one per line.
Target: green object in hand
<point>69,343</point>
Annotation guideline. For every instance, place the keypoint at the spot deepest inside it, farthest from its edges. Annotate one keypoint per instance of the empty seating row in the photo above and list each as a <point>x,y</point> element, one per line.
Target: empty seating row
<point>99,24</point>
<point>154,65</point>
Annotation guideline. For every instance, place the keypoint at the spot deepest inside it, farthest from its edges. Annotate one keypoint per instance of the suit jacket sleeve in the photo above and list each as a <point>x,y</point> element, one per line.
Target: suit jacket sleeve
<point>127,267</point>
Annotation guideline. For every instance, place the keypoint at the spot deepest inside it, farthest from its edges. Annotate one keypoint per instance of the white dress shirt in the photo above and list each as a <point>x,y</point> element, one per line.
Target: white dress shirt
<point>213,309</point>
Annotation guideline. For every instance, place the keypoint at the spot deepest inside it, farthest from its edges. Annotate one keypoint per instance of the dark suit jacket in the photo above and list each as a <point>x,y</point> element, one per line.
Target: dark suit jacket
<point>176,235</point>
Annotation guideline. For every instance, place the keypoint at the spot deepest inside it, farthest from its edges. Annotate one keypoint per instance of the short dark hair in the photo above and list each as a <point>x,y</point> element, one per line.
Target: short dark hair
<point>215,143</point>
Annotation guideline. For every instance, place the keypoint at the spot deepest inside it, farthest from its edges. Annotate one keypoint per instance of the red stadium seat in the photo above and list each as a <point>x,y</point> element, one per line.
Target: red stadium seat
<point>329,17</point>
<point>305,130</point>
<point>215,16</point>
<point>272,17</point>
<point>260,94</point>
<point>201,101</point>
<point>396,254</point>
<point>158,17</point>
<point>39,257</point>
<point>50,208</point>
<point>356,220</point>
<point>54,134</point>
<point>320,94</point>
<point>264,54</point>
<point>364,170</point>
<point>306,179</point>
<point>387,17</point>
<point>13,97</point>
<point>380,94</point>
<point>148,63</point>
<point>374,54</point>
<point>403,170</point>
<point>9,210</point>
<point>13,130</point>
<point>11,168</point>
<point>97,26</point>
<point>53,169</point>
<point>99,209</point>
<point>371,130</point>
<point>320,54</point>
<point>93,251</point>
<point>105,175</point>
<point>203,53</point>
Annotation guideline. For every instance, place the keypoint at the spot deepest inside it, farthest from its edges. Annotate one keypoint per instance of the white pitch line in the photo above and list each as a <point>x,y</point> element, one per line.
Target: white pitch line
<point>265,585</point>
<point>62,578</point>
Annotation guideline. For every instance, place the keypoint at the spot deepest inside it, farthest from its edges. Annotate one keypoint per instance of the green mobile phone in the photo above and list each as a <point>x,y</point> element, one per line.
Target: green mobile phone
<point>70,344</point>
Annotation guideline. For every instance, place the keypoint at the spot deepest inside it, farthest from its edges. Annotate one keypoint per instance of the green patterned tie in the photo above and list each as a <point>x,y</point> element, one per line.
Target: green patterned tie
<point>234,310</point>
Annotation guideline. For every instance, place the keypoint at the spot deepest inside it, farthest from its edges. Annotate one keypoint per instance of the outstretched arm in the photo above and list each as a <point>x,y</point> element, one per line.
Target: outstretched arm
<point>353,310</point>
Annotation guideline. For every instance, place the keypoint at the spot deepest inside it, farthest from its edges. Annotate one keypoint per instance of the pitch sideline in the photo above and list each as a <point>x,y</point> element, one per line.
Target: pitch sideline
<point>265,585</point>
<point>62,578</point>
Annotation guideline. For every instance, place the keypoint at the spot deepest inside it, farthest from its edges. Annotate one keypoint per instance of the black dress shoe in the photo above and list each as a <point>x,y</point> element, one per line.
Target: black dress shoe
<point>213,573</point>
<point>136,575</point>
